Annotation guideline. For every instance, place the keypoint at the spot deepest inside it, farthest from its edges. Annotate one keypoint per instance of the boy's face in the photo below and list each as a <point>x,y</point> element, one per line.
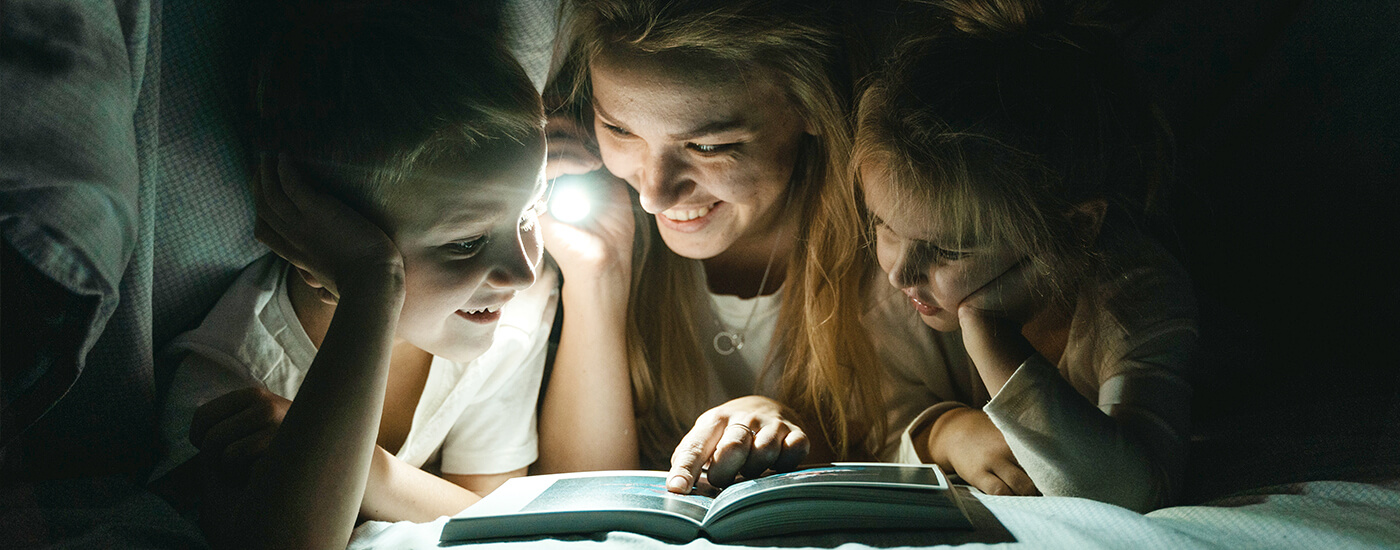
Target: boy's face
<point>470,241</point>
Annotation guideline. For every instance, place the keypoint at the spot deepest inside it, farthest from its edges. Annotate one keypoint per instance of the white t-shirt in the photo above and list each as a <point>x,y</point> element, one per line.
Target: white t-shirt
<point>737,374</point>
<point>474,418</point>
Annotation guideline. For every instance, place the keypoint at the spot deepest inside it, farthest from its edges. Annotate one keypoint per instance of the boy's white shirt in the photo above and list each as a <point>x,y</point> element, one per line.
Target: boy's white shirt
<point>473,418</point>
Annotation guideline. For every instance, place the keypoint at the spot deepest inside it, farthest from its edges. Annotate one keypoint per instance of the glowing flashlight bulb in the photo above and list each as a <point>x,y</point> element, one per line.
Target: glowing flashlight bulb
<point>570,204</point>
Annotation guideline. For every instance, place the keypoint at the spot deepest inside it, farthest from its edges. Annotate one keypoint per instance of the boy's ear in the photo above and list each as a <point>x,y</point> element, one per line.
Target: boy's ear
<point>1087,218</point>
<point>320,288</point>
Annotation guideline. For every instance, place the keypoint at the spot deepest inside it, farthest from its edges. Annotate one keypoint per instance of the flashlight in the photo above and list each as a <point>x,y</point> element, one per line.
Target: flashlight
<point>571,200</point>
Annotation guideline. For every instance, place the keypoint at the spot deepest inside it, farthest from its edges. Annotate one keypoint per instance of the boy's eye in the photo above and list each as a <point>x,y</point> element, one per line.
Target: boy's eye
<point>712,149</point>
<point>531,218</point>
<point>468,247</point>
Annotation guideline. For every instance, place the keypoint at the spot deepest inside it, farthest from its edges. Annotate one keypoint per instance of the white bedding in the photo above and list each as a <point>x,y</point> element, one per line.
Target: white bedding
<point>1315,515</point>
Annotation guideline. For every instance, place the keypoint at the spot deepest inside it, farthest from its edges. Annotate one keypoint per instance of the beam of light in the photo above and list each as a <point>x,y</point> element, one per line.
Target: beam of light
<point>570,202</point>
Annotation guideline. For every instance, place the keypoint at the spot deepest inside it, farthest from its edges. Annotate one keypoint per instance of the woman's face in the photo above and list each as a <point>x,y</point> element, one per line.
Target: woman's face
<point>923,258</point>
<point>709,146</point>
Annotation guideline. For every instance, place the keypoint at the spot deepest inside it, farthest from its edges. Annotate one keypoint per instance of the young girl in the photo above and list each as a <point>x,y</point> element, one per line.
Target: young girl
<point>1004,161</point>
<point>729,121</point>
<point>401,184</point>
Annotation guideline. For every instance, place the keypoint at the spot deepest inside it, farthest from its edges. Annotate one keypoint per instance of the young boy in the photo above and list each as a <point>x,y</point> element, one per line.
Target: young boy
<point>386,366</point>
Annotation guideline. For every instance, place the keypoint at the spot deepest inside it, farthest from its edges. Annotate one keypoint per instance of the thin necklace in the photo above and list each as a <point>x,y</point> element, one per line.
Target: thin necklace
<point>727,342</point>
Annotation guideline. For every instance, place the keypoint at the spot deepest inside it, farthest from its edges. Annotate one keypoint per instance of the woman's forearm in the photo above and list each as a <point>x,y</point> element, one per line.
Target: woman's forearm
<point>587,421</point>
<point>307,490</point>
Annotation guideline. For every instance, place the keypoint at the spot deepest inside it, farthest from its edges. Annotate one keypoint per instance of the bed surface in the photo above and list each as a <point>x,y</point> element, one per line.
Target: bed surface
<point>1319,514</point>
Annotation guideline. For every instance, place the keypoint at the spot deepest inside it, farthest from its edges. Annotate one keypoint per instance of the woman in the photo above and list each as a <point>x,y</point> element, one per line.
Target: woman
<point>729,122</point>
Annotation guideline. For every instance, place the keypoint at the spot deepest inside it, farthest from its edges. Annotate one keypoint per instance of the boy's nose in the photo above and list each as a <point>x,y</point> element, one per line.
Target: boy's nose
<point>661,181</point>
<point>516,268</point>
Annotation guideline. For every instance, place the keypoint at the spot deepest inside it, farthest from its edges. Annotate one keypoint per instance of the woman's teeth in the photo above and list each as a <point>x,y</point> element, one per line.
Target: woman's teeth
<point>686,215</point>
<point>488,309</point>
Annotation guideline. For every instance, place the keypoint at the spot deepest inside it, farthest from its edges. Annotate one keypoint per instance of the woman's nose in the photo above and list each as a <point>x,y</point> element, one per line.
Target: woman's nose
<point>662,181</point>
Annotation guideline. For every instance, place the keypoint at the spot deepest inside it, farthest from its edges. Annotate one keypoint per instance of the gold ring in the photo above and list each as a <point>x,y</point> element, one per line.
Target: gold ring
<point>746,428</point>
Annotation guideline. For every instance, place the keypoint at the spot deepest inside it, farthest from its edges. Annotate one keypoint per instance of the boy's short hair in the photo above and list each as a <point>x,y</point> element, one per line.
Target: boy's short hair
<point>363,94</point>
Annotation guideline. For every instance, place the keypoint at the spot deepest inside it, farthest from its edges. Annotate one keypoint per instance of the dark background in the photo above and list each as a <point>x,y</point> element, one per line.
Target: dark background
<point>1287,121</point>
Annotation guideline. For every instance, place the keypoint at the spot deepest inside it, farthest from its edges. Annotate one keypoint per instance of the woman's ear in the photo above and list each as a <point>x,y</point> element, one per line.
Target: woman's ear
<point>317,286</point>
<point>1087,218</point>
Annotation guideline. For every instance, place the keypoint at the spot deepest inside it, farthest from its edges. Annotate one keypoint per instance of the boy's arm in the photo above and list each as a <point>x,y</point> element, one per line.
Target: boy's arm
<point>307,490</point>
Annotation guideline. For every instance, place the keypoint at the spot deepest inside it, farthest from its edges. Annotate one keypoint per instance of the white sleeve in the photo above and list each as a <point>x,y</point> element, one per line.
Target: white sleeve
<point>1126,451</point>
<point>203,375</point>
<point>497,434</point>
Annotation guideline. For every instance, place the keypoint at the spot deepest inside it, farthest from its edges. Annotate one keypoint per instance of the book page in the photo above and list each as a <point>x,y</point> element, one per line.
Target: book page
<point>617,493</point>
<point>810,481</point>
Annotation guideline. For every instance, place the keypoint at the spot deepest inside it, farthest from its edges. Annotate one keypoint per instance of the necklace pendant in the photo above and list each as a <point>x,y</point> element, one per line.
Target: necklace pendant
<point>726,342</point>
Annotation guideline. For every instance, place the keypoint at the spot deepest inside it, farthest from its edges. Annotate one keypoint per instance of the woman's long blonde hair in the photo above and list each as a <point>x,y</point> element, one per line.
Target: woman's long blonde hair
<point>826,359</point>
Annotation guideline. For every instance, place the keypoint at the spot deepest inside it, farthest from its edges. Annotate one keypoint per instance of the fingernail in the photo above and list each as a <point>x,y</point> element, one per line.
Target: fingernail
<point>678,484</point>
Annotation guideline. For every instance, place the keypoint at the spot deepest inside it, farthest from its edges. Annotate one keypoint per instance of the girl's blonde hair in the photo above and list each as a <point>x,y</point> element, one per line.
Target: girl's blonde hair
<point>1004,120</point>
<point>825,358</point>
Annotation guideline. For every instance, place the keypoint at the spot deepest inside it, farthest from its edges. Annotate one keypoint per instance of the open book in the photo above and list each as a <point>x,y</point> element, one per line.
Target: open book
<point>843,496</point>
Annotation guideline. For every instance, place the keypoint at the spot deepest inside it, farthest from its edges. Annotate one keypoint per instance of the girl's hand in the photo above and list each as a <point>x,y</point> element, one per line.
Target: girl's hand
<point>330,243</point>
<point>601,245</point>
<point>748,435</point>
<point>233,430</point>
<point>991,319</point>
<point>967,440</point>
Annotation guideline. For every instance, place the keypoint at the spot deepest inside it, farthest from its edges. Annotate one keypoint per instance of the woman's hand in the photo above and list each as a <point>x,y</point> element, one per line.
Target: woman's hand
<point>570,148</point>
<point>992,318</point>
<point>600,247</point>
<point>748,435</point>
<point>966,440</point>
<point>330,243</point>
<point>232,431</point>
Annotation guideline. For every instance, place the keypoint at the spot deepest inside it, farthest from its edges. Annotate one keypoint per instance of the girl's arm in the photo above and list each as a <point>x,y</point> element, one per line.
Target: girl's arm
<point>586,420</point>
<point>1128,447</point>
<point>307,489</point>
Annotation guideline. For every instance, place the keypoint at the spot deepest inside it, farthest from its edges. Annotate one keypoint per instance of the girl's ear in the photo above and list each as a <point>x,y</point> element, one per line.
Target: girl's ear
<point>1087,218</point>
<point>321,291</point>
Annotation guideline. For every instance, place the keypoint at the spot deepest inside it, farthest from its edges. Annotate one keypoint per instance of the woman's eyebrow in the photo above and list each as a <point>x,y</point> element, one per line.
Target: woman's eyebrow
<point>715,127</point>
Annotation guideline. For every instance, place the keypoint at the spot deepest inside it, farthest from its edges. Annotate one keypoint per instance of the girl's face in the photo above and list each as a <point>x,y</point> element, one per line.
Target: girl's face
<point>923,258</point>
<point>468,244</point>
<point>709,147</point>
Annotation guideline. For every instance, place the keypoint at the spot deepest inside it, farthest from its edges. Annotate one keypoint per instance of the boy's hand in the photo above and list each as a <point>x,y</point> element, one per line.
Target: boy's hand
<point>233,430</point>
<point>331,243</point>
<point>748,435</point>
<point>967,440</point>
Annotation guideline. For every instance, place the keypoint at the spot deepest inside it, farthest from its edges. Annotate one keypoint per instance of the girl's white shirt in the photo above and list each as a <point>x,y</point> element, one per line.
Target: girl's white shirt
<point>472,418</point>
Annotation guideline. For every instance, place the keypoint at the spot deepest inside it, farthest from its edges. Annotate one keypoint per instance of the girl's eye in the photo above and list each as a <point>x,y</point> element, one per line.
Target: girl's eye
<point>949,255</point>
<point>712,149</point>
<point>617,130</point>
<point>468,247</point>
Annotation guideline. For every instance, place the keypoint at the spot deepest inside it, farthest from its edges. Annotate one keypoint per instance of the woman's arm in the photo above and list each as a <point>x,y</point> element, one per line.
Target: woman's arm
<point>586,419</point>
